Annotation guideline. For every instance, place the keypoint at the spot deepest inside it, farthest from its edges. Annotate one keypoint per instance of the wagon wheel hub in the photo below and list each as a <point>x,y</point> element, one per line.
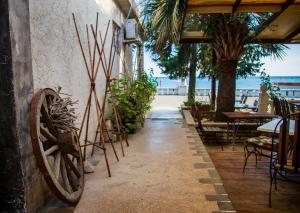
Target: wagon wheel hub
<point>68,143</point>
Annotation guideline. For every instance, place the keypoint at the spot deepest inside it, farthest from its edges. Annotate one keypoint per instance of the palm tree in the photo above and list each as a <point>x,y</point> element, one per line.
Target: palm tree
<point>162,21</point>
<point>231,37</point>
<point>180,63</point>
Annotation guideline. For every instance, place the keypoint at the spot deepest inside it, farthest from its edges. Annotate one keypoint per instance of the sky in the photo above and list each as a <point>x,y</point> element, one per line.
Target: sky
<point>289,66</point>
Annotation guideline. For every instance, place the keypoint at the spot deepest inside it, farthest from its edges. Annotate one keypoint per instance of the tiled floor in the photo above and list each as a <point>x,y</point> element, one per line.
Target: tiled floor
<point>166,169</point>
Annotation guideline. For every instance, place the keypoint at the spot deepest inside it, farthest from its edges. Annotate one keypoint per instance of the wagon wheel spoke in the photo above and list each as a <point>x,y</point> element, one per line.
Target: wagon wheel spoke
<point>75,155</point>
<point>57,164</point>
<point>65,177</point>
<point>46,118</point>
<point>45,132</point>
<point>51,150</point>
<point>49,100</point>
<point>73,167</point>
<point>73,158</point>
<point>45,106</point>
<point>70,176</point>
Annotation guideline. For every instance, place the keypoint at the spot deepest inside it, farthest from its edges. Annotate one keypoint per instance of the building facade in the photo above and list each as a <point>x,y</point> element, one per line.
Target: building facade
<point>39,49</point>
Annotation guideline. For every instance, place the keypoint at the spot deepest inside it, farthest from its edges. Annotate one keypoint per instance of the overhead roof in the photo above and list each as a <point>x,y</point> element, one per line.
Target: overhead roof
<point>282,27</point>
<point>129,8</point>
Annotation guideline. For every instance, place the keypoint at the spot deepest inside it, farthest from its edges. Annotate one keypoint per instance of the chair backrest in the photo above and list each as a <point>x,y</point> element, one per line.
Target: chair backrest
<point>277,107</point>
<point>285,149</point>
<point>204,108</point>
<point>245,99</point>
<point>283,143</point>
<point>292,107</point>
<point>194,111</point>
<point>202,115</point>
<point>255,103</point>
<point>281,107</point>
<point>199,120</point>
<point>296,145</point>
<point>285,108</point>
<point>241,99</point>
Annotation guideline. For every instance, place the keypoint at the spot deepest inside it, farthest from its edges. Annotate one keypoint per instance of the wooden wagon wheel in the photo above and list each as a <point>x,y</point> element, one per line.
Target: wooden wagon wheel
<point>58,155</point>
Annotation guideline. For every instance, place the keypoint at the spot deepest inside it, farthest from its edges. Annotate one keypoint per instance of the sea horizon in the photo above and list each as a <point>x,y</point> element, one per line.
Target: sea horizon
<point>251,82</point>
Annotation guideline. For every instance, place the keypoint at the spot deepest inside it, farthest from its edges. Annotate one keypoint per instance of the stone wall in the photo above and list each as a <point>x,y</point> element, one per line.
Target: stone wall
<point>16,91</point>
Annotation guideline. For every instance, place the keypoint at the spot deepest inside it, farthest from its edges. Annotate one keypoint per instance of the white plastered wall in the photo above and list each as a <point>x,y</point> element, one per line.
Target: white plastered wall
<point>56,55</point>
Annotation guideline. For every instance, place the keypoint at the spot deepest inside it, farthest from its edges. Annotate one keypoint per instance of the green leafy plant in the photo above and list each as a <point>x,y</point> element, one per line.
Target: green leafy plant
<point>143,90</point>
<point>134,99</point>
<point>193,102</point>
<point>272,90</point>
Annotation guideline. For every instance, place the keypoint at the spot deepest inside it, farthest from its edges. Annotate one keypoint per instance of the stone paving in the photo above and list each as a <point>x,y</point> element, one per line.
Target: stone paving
<point>166,169</point>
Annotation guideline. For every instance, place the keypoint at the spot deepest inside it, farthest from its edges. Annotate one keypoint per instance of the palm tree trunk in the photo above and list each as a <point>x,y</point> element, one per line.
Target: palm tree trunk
<point>213,81</point>
<point>213,91</point>
<point>226,89</point>
<point>192,77</point>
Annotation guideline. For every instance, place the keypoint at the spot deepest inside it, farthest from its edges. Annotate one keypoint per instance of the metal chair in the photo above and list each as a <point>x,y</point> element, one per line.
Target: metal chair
<point>287,158</point>
<point>261,146</point>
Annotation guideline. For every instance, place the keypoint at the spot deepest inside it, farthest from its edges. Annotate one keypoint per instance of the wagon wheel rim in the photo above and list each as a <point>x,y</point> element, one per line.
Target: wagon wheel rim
<point>62,171</point>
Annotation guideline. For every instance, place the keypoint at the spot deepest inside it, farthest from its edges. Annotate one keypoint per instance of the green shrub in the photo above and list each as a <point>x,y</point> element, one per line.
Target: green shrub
<point>133,99</point>
<point>272,90</point>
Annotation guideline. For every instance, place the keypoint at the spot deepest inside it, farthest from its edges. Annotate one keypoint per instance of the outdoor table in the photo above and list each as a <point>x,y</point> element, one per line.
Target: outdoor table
<point>270,127</point>
<point>244,106</point>
<point>235,119</point>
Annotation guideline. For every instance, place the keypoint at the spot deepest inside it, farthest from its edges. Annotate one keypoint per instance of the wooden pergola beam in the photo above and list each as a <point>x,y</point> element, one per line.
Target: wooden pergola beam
<point>237,6</point>
<point>258,41</point>
<point>278,8</point>
<point>274,16</point>
<point>243,8</point>
<point>289,37</point>
<point>183,20</point>
<point>273,41</point>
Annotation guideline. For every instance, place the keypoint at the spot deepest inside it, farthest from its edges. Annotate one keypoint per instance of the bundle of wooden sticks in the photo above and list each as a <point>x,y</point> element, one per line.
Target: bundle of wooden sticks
<point>62,113</point>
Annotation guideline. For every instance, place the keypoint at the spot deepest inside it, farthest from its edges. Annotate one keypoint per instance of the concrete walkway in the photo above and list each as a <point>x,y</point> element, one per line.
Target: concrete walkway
<point>166,169</point>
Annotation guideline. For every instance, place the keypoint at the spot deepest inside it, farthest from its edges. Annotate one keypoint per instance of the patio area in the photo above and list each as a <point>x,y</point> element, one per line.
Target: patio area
<point>147,106</point>
<point>181,174</point>
<point>249,192</point>
<point>166,169</point>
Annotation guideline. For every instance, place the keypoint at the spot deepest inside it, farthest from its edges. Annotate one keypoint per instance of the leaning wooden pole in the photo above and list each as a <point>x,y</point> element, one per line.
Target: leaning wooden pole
<point>92,74</point>
<point>107,68</point>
